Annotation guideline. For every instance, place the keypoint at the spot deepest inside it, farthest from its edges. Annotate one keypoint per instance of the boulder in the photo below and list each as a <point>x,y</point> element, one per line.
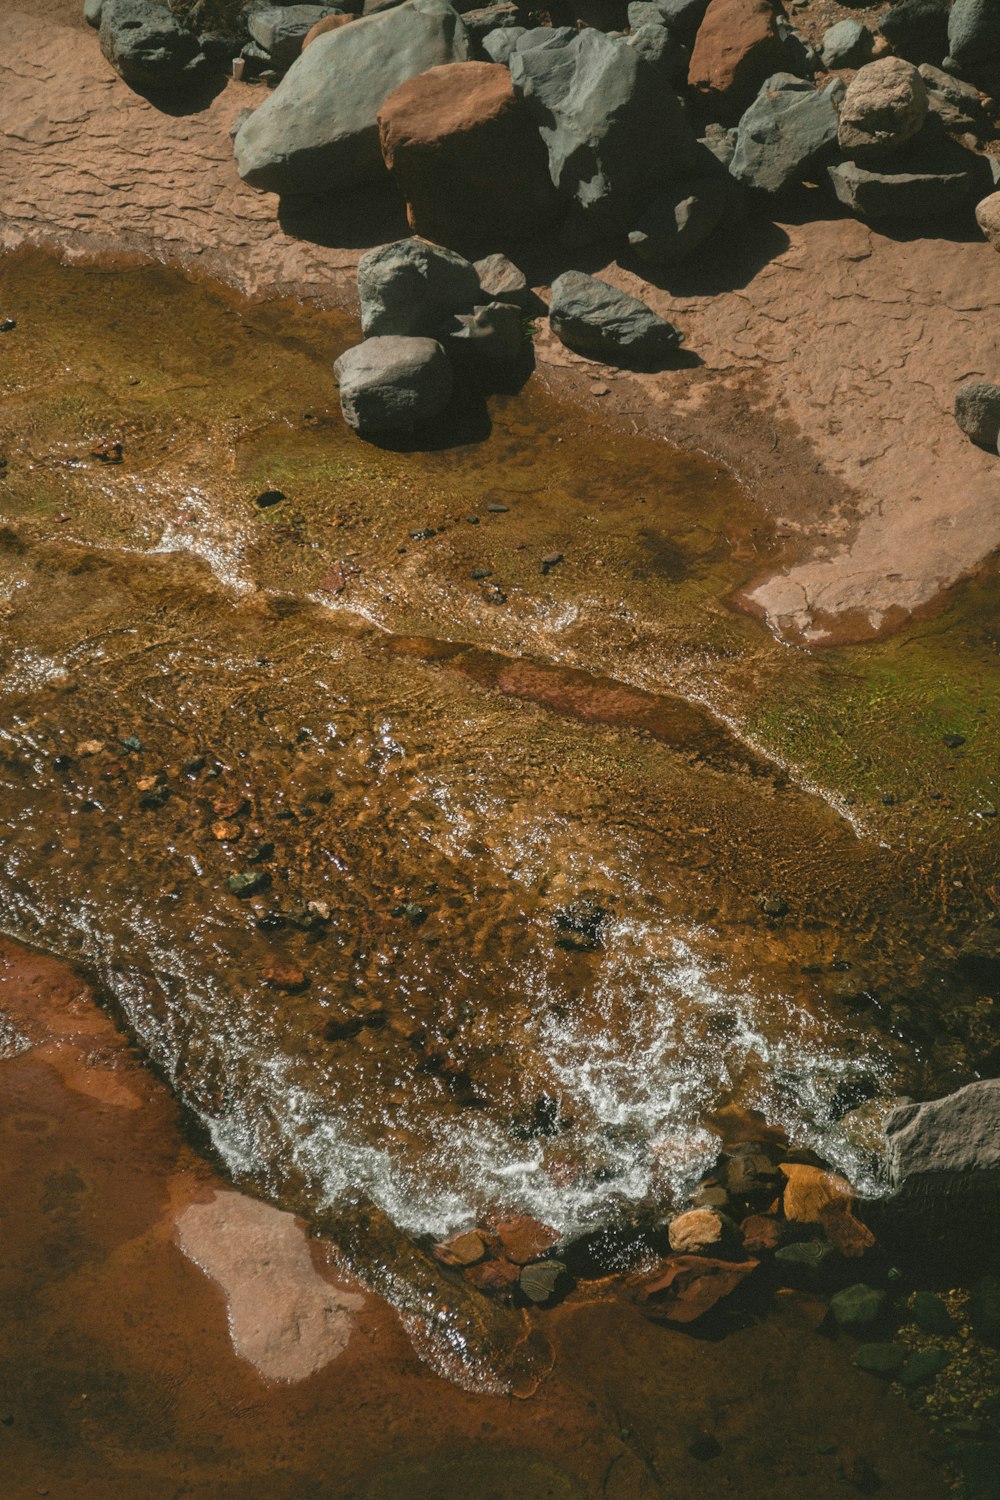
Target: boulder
<point>883,109</point>
<point>466,156</point>
<point>411,287</point>
<point>501,281</point>
<point>594,318</point>
<point>786,133</point>
<point>808,1190</point>
<point>614,130</point>
<point>935,184</point>
<point>737,48</point>
<point>282,29</point>
<point>317,133</point>
<point>846,45</point>
<point>944,1175</point>
<point>149,47</point>
<point>955,102</point>
<point>974,36</point>
<point>499,44</point>
<point>679,220</point>
<point>492,336</point>
<point>682,16</point>
<point>392,385</point>
<point>917,29</point>
<point>660,47</point>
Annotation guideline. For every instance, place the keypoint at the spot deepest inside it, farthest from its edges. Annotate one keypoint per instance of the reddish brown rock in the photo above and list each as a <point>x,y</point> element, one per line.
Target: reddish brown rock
<point>525,1239</point>
<point>736,49</point>
<point>843,1230</point>
<point>808,1191</point>
<point>493,1276</point>
<point>689,1286</point>
<point>328,23</point>
<point>461,1249</point>
<point>466,156</point>
<point>737,1125</point>
<point>761,1233</point>
<point>284,976</point>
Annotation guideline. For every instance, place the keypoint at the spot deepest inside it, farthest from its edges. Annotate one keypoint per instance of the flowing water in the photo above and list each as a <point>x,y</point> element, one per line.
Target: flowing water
<point>542,854</point>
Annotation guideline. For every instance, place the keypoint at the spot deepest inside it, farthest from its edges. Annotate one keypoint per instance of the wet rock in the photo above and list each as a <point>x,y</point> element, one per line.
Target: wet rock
<point>923,1366</point>
<point>501,281</point>
<point>738,46</point>
<point>846,45</point>
<point>786,133</point>
<point>89,747</point>
<point>772,904</point>
<point>393,384</point>
<point>697,1230</point>
<point>580,926</point>
<point>149,47</point>
<point>857,1306</point>
<point>543,1282</point>
<point>594,318</point>
<point>931,1314</point>
<point>282,29</point>
<point>689,1286</point>
<point>495,1277</point>
<point>808,1263</point>
<point>761,1233</point>
<point>917,29</point>
<point>525,1239</point>
<point>318,131</point>
<point>466,155</point>
<point>226,831</point>
<point>977,406</point>
<point>936,184</point>
<point>748,1173</point>
<point>679,220</point>
<point>974,36</point>
<point>248,883</point>
<point>285,976</point>
<point>979,953</point>
<point>808,1190</point>
<point>844,1231</point>
<point>883,1360</point>
<point>413,288</point>
<point>613,128</point>
<point>883,109</point>
<point>466,1249</point>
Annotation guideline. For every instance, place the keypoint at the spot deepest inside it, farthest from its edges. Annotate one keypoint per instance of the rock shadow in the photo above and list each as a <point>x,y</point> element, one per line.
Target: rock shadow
<point>374,215</point>
<point>192,100</point>
<point>727,263</point>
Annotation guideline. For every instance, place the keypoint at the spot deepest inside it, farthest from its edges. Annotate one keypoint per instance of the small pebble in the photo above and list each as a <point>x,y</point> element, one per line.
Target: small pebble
<point>8,325</point>
<point>472,520</point>
<point>600,390</point>
<point>952,741</point>
<point>496,509</point>
<point>549,561</point>
<point>480,573</point>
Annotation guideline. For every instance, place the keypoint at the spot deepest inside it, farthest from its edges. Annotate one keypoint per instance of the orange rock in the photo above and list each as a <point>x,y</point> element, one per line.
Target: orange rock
<point>525,1239</point>
<point>696,1230</point>
<point>688,1286</point>
<point>461,1249</point>
<point>843,1230</point>
<point>809,1189</point>
<point>227,832</point>
<point>328,23</point>
<point>467,156</point>
<point>736,49</point>
<point>284,976</point>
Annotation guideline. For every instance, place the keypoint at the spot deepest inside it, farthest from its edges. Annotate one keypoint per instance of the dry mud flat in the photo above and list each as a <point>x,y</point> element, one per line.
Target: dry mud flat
<point>167,1337</point>
<point>830,352</point>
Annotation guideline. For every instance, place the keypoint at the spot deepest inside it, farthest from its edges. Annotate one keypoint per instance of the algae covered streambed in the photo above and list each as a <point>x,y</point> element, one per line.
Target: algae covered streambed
<point>428,817</point>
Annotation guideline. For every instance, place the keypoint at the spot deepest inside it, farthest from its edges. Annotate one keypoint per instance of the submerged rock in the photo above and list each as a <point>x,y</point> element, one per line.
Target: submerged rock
<point>688,1286</point>
<point>594,318</point>
<point>857,1306</point>
<point>393,384</point>
<point>414,288</point>
<point>318,132</point>
<point>149,47</point>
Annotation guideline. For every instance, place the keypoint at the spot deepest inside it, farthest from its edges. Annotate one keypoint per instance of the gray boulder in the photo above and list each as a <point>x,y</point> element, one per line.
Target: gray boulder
<point>974,35</point>
<point>936,183</point>
<point>318,131</point>
<point>415,288</point>
<point>149,47</point>
<point>682,16</point>
<point>846,45</point>
<point>660,47</point>
<point>614,130</point>
<point>785,134</point>
<point>281,29</point>
<point>679,220</point>
<point>593,318</point>
<point>917,29</point>
<point>92,12</point>
<point>392,385</point>
<point>498,44</point>
<point>944,1174</point>
<point>883,109</point>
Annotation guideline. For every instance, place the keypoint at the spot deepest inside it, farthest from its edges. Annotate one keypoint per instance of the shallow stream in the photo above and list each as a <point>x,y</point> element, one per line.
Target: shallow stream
<point>542,854</point>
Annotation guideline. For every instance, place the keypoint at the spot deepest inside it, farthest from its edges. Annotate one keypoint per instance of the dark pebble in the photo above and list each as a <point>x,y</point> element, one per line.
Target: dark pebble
<point>472,520</point>
<point>193,765</point>
<point>8,325</point>
<point>496,509</point>
<point>268,497</point>
<point>771,904</point>
<point>62,762</point>
<point>262,851</point>
<point>248,882</point>
<point>155,798</point>
<point>888,800</point>
<point>481,573</point>
<point>421,536</point>
<point>704,1447</point>
<point>952,741</point>
<point>550,560</point>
